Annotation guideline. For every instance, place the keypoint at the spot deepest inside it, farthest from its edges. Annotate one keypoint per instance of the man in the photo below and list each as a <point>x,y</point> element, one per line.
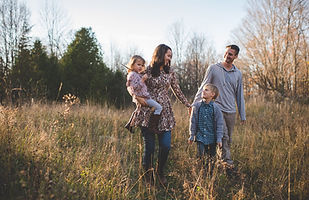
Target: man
<point>228,79</point>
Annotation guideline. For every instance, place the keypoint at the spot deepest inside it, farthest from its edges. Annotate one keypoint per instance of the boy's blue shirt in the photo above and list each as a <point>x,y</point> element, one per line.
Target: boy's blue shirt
<point>217,122</point>
<point>206,133</point>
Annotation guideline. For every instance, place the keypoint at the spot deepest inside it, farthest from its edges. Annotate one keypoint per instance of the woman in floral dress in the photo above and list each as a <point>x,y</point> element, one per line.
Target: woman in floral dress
<point>161,78</point>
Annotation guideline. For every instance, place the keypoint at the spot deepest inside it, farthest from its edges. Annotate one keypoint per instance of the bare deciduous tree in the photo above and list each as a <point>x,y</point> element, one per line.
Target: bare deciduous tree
<point>14,30</point>
<point>14,25</point>
<point>192,54</point>
<point>177,39</point>
<point>198,56</point>
<point>55,23</point>
<point>274,36</point>
<point>115,58</point>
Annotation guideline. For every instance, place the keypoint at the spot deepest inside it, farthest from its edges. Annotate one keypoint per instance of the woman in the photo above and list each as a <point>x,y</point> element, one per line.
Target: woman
<point>160,78</point>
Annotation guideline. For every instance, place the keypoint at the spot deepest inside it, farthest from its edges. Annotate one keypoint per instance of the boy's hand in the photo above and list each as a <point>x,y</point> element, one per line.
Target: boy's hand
<point>219,144</point>
<point>190,141</point>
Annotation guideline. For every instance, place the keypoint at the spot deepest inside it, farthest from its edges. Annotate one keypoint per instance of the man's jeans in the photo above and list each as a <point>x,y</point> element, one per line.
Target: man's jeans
<point>229,123</point>
<point>149,148</point>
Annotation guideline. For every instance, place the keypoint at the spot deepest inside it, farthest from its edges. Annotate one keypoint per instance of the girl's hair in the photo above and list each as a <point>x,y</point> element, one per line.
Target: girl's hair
<point>133,60</point>
<point>158,60</point>
<point>213,88</point>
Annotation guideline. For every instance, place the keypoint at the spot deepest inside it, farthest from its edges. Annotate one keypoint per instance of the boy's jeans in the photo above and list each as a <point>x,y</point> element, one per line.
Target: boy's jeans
<point>206,150</point>
<point>207,155</point>
<point>149,148</point>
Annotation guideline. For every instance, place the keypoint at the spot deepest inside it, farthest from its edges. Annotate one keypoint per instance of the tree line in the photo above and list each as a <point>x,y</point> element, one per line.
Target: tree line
<point>34,74</point>
<point>29,71</point>
<point>274,57</point>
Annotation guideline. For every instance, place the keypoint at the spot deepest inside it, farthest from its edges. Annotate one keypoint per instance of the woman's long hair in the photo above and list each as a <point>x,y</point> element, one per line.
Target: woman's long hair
<point>158,60</point>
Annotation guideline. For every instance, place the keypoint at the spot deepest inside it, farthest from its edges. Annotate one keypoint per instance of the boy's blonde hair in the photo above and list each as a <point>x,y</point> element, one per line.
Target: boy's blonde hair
<point>133,60</point>
<point>213,88</point>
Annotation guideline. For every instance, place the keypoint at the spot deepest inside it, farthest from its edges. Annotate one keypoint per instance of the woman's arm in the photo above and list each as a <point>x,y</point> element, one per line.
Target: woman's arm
<point>193,123</point>
<point>177,91</point>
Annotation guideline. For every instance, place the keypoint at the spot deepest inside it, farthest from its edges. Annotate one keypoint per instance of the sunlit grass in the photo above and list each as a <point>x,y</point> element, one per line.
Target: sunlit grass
<point>83,152</point>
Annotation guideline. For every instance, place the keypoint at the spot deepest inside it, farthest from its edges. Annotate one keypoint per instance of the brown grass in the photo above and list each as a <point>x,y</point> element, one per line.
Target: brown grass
<point>49,152</point>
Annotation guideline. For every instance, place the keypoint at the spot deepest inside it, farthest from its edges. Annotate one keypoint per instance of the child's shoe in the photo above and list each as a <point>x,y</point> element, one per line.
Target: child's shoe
<point>130,128</point>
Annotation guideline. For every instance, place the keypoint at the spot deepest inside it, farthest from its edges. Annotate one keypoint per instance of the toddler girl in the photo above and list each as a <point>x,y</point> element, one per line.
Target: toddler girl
<point>137,88</point>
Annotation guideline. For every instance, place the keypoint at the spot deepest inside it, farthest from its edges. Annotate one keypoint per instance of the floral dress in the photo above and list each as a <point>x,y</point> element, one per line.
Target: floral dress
<point>158,88</point>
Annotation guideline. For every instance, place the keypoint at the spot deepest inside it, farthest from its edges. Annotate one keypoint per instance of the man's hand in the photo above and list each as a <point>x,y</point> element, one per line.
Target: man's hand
<point>190,141</point>
<point>219,144</point>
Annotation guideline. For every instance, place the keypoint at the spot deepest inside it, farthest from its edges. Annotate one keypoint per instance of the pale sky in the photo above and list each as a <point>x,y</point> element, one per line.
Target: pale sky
<point>143,24</point>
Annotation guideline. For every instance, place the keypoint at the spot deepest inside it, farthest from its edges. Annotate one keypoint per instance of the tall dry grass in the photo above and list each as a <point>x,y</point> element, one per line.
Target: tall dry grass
<point>82,152</point>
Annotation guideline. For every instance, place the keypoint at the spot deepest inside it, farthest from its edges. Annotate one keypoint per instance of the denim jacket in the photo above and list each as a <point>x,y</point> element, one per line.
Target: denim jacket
<point>218,121</point>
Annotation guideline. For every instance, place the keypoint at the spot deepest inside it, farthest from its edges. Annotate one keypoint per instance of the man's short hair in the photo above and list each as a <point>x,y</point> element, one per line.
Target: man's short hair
<point>235,47</point>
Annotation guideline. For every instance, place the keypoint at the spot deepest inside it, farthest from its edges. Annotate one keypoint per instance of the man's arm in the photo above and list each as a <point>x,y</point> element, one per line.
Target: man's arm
<point>240,100</point>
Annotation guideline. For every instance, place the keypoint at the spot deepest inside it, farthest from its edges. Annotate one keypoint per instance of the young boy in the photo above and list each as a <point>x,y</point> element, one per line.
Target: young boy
<point>206,124</point>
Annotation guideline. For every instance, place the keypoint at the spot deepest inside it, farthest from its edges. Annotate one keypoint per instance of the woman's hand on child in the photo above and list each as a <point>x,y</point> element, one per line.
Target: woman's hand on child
<point>141,100</point>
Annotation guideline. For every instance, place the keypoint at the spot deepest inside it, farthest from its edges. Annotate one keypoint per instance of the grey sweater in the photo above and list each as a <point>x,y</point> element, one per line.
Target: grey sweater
<point>230,88</point>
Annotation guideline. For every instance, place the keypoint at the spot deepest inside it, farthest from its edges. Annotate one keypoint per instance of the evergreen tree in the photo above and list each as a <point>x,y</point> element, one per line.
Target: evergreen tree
<point>48,72</point>
<point>23,76</point>
<point>118,94</point>
<point>84,73</point>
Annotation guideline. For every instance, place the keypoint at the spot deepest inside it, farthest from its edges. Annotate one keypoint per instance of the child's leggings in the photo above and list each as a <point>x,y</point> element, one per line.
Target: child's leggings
<point>156,105</point>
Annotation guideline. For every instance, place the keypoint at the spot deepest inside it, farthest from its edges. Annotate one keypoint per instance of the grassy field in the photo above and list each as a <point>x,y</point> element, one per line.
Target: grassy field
<point>82,152</point>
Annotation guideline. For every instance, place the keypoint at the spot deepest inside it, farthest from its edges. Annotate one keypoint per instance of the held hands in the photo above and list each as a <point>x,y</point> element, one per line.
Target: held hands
<point>190,141</point>
<point>189,110</point>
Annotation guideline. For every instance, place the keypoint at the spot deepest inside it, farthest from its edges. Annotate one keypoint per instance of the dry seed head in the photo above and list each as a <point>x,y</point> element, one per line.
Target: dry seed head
<point>8,116</point>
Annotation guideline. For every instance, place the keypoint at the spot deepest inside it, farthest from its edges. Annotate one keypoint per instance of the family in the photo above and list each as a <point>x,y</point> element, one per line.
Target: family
<point>212,113</point>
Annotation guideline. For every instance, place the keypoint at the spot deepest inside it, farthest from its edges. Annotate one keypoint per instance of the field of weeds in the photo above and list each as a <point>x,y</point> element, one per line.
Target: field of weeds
<point>83,152</point>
